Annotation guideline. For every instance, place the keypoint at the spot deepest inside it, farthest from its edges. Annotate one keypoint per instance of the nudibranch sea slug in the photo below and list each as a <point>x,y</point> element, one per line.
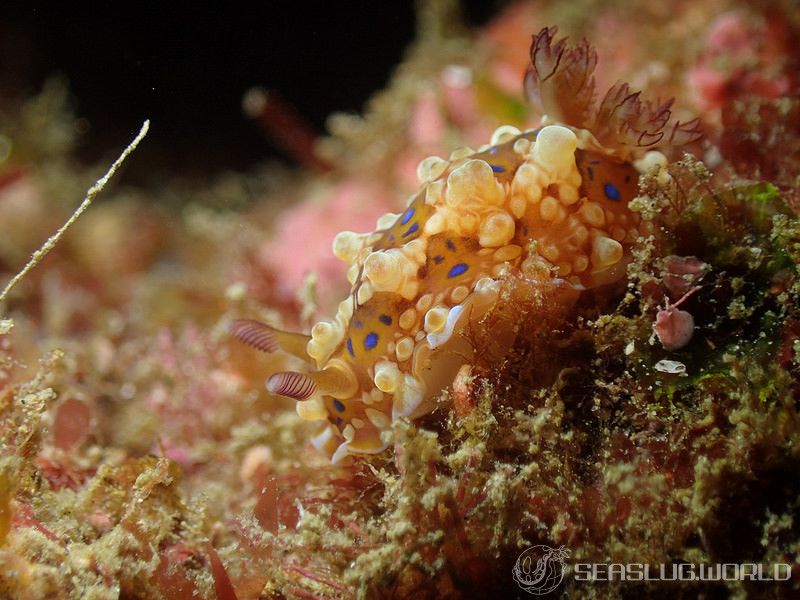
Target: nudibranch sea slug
<point>555,197</point>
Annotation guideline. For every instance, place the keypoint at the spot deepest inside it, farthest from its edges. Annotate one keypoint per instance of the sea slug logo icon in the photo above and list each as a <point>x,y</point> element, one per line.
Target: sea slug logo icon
<point>540,569</point>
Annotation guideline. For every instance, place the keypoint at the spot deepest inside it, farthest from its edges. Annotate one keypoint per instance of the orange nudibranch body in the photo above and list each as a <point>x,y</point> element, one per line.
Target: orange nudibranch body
<point>550,206</point>
<point>553,196</point>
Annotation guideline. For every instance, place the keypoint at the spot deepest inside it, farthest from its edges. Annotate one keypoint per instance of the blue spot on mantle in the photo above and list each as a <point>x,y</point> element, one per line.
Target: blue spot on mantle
<point>371,341</point>
<point>438,259</point>
<point>411,230</point>
<point>385,319</point>
<point>611,191</point>
<point>350,347</point>
<point>497,168</point>
<point>407,217</point>
<point>457,270</point>
<point>338,406</point>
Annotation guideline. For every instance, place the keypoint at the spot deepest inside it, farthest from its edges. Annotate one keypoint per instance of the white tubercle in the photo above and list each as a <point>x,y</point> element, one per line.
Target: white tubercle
<point>352,273</point>
<point>496,230</point>
<point>407,318</point>
<point>459,294</point>
<point>390,271</point>
<point>386,221</point>
<point>434,193</point>
<point>445,331</point>
<point>568,194</point>
<point>424,302</point>
<point>383,269</point>
<point>345,310</point>
<point>387,376</point>
<point>404,349</point>
<point>415,250</point>
<point>518,205</point>
<point>487,285</point>
<point>325,335</point>
<point>554,149</point>
<point>473,183</point>
<point>347,245</point>
<point>650,160</point>
<point>507,253</point>
<point>460,153</point>
<point>345,450</point>
<point>527,183</point>
<point>522,146</point>
<point>320,440</point>
<point>592,214</point>
<point>312,410</point>
<point>430,168</point>
<point>605,252</point>
<point>378,418</point>
<point>435,224</point>
<point>435,319</point>
<point>322,331</point>
<point>503,134</point>
<point>408,397</point>
<point>365,292</point>
<point>341,453</point>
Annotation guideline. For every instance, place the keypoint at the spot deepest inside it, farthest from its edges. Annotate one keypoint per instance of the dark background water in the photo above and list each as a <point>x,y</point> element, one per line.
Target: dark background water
<point>186,67</point>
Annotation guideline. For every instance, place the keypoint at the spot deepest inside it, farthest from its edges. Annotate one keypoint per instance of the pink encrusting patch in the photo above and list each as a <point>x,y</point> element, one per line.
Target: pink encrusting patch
<point>302,243</point>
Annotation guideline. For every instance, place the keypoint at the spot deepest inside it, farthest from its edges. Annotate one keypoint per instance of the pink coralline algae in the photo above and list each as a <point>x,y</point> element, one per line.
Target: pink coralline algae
<point>744,57</point>
<point>302,242</point>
